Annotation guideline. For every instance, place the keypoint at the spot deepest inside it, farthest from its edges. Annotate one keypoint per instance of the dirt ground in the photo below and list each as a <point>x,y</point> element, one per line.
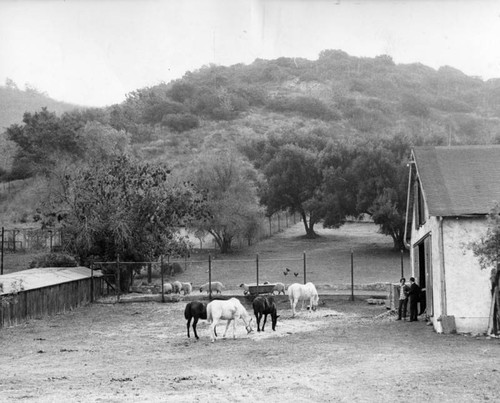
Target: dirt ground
<point>346,351</point>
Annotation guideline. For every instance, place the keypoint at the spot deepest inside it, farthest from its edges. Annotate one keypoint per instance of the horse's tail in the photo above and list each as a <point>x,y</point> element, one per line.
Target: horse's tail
<point>187,311</point>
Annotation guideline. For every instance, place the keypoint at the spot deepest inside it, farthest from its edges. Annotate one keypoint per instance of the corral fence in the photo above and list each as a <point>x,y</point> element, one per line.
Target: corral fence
<point>31,239</point>
<point>151,277</point>
<point>125,277</point>
<point>52,240</point>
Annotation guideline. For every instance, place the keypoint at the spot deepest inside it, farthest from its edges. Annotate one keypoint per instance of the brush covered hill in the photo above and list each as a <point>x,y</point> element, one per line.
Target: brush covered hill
<point>338,96</point>
<point>348,97</point>
<point>344,96</point>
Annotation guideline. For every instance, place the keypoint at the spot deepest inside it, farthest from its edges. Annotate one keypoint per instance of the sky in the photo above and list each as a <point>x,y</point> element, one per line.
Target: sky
<point>94,52</point>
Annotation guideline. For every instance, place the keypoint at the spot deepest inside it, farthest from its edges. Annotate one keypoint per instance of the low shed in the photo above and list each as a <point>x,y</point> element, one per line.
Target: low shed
<point>43,292</point>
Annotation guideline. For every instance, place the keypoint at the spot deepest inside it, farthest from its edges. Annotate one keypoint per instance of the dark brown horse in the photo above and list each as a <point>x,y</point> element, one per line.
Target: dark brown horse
<point>195,310</point>
<point>263,306</point>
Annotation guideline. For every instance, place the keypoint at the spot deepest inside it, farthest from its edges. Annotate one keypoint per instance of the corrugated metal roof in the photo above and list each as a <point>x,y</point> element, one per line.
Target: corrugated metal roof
<point>43,277</point>
<point>459,180</point>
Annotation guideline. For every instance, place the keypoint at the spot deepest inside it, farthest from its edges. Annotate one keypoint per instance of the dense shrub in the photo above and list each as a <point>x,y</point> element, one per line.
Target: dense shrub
<point>180,122</point>
<point>306,106</point>
<point>54,260</point>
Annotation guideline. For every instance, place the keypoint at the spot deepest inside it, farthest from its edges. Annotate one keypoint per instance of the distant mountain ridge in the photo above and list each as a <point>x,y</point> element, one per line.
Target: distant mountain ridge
<point>14,102</point>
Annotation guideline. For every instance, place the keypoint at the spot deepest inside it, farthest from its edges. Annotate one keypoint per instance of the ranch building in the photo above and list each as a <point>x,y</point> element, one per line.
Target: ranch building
<point>453,189</point>
<point>35,293</point>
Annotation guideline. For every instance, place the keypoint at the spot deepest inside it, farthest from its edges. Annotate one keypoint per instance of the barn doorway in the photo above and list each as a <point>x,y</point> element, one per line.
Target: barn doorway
<point>423,272</point>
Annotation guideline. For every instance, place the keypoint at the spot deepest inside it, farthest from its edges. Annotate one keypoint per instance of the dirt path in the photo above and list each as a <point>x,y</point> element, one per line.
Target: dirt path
<point>343,352</point>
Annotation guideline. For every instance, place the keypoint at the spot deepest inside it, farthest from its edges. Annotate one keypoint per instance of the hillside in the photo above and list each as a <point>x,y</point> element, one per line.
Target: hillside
<point>337,97</point>
<point>348,97</point>
<point>14,102</point>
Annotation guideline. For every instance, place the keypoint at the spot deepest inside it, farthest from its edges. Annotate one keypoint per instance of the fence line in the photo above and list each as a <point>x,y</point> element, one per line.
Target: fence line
<point>33,238</point>
<point>122,276</point>
<point>26,239</point>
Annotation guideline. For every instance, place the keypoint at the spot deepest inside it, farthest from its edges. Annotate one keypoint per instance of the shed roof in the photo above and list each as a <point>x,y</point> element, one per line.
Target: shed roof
<point>43,277</point>
<point>459,180</point>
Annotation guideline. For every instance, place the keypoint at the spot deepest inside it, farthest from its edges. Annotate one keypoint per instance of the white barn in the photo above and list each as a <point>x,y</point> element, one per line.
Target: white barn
<point>454,188</point>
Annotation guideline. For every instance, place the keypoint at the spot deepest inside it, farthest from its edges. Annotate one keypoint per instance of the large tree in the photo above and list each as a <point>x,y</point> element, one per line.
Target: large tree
<point>124,208</point>
<point>294,183</point>
<point>380,171</point>
<point>41,140</point>
<point>230,185</point>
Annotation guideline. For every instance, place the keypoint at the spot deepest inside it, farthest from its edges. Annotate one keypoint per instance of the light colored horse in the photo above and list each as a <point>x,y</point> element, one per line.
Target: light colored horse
<point>303,292</point>
<point>229,310</point>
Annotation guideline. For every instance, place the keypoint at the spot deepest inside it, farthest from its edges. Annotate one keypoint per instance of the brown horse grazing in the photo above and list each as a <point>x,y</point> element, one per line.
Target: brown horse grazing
<point>195,310</point>
<point>263,306</point>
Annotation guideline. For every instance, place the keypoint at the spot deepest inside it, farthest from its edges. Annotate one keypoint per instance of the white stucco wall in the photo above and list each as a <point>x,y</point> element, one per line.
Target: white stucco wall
<point>468,295</point>
<point>459,288</point>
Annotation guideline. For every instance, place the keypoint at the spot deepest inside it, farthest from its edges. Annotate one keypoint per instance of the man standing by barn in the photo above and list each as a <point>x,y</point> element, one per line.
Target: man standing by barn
<point>403,299</point>
<point>414,295</point>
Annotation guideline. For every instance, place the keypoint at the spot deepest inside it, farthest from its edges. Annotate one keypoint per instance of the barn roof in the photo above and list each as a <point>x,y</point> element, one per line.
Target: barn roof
<point>43,277</point>
<point>459,180</point>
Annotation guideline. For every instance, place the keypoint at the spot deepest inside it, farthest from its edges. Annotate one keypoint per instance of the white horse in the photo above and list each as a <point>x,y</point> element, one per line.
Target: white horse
<point>229,310</point>
<point>302,292</point>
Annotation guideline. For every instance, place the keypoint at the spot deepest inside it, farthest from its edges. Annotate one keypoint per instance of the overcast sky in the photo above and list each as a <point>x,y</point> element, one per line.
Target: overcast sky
<point>93,52</point>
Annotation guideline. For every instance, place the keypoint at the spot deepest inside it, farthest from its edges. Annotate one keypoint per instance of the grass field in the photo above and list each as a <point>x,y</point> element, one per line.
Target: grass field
<point>328,259</point>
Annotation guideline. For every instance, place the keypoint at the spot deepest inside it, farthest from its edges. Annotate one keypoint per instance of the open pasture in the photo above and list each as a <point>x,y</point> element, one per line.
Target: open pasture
<point>328,260</point>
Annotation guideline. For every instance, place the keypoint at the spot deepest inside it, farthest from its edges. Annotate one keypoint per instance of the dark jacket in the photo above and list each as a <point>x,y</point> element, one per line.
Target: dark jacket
<point>414,292</point>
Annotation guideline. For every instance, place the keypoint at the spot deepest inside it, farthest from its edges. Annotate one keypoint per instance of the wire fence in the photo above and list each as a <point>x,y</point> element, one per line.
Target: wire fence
<point>256,275</point>
<point>151,277</point>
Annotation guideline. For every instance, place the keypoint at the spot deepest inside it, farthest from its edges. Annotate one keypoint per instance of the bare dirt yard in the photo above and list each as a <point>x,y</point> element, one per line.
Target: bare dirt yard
<point>345,351</point>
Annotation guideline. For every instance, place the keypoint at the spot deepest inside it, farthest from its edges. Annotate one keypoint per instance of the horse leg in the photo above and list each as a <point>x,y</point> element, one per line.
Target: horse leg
<point>227,326</point>
<point>212,331</point>
<point>258,317</point>
<point>195,321</point>
<point>265,318</point>
<point>294,304</point>
<point>234,328</point>
<point>188,324</point>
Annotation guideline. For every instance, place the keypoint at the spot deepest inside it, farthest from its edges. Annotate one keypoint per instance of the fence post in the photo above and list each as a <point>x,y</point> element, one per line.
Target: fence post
<point>352,274</point>
<point>279,222</point>
<point>1,261</point>
<point>91,282</point>
<point>162,280</point>
<point>270,226</point>
<point>257,271</point>
<point>210,277</point>
<point>50,235</point>
<point>118,278</point>
<point>149,273</point>
<point>305,268</point>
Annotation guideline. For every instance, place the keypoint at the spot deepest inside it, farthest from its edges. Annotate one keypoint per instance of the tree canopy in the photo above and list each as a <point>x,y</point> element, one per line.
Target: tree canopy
<point>126,208</point>
<point>231,197</point>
